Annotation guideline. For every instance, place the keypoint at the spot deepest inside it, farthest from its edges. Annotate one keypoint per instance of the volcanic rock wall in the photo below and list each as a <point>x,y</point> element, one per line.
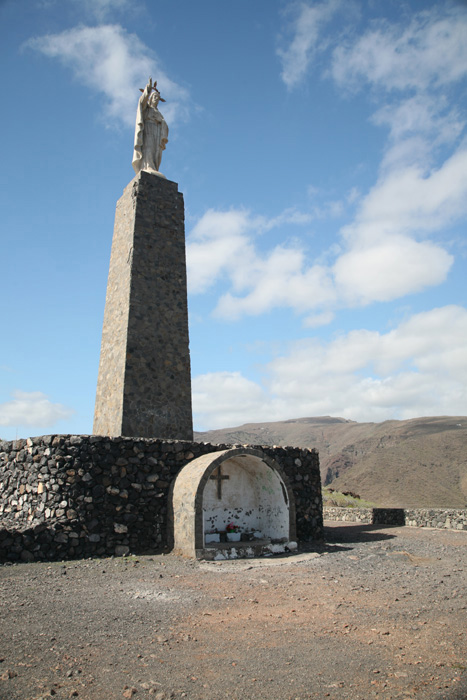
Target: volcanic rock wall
<point>441,518</point>
<point>70,496</point>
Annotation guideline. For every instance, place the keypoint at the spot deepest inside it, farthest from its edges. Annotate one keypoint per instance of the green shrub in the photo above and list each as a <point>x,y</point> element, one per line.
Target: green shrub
<point>337,499</point>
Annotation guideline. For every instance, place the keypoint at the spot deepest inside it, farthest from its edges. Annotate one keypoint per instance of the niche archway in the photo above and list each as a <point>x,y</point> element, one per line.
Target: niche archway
<point>239,487</point>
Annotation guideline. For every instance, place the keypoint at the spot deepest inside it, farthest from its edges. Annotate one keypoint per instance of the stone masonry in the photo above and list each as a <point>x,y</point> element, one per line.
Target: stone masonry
<point>73,496</point>
<point>144,384</point>
<point>440,518</point>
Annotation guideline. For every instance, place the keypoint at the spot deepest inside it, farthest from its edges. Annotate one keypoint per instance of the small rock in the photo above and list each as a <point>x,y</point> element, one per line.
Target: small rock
<point>27,556</point>
<point>6,675</point>
<point>121,550</point>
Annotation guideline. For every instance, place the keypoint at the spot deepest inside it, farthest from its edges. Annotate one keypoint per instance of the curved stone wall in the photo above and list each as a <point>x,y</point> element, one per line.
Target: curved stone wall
<point>260,498</point>
<point>69,496</point>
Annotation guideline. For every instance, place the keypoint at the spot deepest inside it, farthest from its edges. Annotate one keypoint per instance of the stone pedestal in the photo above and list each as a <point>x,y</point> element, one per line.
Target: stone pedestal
<point>144,383</point>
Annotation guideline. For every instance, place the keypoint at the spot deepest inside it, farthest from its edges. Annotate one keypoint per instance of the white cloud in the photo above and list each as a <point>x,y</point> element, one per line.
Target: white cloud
<point>323,207</point>
<point>218,243</point>
<point>382,260</point>
<point>115,64</point>
<point>222,247</point>
<point>281,280</point>
<point>389,269</point>
<point>317,320</point>
<point>307,41</point>
<point>235,397</point>
<point>32,408</point>
<point>411,199</point>
<point>386,251</point>
<point>430,51</point>
<point>413,64</point>
<point>103,9</point>
<point>421,114</point>
<point>418,126</point>
<point>416,369</point>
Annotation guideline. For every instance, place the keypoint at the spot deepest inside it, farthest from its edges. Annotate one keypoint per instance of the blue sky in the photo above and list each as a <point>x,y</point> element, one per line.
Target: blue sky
<point>321,149</point>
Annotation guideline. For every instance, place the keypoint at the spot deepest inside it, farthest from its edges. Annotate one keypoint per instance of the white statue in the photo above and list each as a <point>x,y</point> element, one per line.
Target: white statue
<point>151,131</point>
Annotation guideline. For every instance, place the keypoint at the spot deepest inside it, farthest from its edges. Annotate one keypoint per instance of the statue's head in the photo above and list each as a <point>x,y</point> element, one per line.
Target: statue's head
<point>155,98</point>
<point>154,94</point>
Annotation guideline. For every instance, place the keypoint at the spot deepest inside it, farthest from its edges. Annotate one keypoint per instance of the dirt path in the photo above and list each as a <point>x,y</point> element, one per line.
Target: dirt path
<point>376,613</point>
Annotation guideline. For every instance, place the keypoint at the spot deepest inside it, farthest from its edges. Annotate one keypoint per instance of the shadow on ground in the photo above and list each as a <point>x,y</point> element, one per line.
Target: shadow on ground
<point>355,532</point>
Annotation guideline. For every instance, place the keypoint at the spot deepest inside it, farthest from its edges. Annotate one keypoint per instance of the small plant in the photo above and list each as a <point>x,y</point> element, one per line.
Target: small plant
<point>231,527</point>
<point>332,498</point>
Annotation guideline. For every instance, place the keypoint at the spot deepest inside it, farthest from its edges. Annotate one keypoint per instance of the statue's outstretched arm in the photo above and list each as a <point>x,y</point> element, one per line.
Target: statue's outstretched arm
<point>146,93</point>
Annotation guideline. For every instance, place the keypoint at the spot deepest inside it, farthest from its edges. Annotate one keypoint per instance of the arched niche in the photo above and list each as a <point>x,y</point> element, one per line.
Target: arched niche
<point>242,486</point>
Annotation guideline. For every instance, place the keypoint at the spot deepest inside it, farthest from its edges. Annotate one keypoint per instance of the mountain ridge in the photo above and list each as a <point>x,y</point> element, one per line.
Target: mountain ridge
<point>418,462</point>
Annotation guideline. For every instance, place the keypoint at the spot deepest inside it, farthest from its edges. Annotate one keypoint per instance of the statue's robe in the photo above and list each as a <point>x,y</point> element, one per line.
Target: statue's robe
<point>151,135</point>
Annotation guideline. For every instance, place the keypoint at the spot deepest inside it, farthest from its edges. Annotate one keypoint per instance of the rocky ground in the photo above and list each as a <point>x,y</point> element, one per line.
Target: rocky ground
<point>374,613</point>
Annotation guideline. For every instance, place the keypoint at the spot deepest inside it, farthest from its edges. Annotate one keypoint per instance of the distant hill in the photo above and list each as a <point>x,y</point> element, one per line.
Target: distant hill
<point>420,462</point>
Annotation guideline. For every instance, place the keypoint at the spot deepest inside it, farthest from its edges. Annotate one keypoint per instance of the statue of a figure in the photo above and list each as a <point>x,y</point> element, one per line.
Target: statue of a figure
<point>151,131</point>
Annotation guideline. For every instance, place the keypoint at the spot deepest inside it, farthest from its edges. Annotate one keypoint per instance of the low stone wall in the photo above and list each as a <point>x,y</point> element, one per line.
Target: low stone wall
<point>444,518</point>
<point>350,515</point>
<point>72,496</point>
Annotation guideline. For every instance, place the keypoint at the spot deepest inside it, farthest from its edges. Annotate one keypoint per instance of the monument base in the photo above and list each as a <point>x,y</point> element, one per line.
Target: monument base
<point>144,383</point>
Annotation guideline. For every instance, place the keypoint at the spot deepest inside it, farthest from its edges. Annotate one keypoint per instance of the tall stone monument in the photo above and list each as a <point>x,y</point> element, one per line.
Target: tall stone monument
<point>144,384</point>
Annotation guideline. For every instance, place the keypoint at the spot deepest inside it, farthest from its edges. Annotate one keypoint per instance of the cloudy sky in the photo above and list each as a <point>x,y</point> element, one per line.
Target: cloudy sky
<point>322,151</point>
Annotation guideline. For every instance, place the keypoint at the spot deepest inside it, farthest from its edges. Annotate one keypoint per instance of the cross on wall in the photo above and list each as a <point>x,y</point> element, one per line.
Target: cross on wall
<point>219,477</point>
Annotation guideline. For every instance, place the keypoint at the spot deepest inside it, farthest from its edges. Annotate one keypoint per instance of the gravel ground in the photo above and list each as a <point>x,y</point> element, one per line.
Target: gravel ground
<point>373,613</point>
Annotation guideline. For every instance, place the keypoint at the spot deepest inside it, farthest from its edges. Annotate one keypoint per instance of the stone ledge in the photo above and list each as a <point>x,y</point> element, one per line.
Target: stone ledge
<point>243,550</point>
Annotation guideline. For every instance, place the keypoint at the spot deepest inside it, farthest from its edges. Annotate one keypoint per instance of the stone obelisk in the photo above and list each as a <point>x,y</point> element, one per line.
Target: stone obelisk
<point>144,383</point>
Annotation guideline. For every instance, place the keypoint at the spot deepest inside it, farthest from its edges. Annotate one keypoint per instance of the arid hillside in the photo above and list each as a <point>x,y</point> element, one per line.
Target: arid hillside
<point>419,462</point>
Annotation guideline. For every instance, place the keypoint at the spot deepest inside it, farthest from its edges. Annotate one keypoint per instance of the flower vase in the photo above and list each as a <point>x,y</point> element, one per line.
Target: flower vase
<point>233,536</point>
<point>211,537</point>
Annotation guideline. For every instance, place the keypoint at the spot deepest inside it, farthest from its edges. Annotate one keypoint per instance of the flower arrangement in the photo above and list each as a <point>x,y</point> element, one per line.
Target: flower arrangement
<point>231,527</point>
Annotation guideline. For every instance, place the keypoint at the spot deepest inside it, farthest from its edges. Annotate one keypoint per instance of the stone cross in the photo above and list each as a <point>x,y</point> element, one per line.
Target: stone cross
<point>219,477</point>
